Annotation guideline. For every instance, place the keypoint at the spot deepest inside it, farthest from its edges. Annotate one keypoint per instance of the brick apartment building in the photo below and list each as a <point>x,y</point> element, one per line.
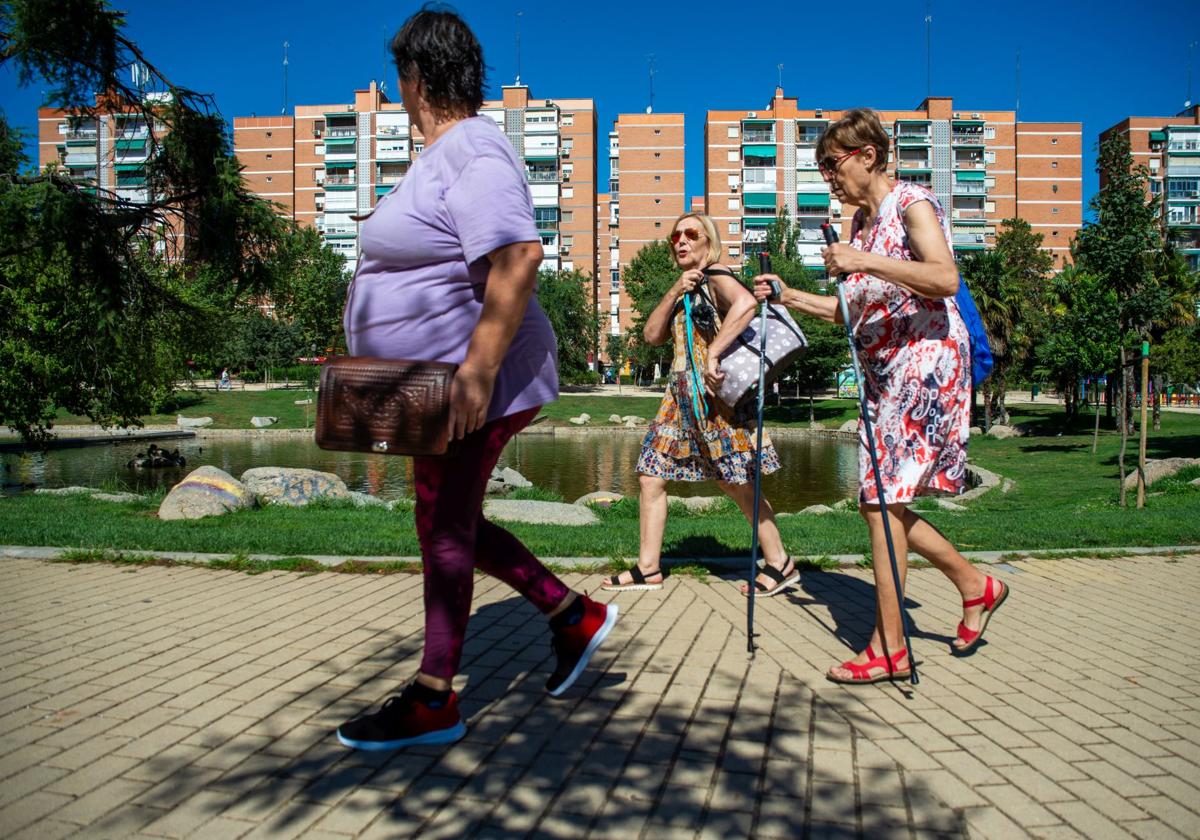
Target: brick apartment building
<point>983,166</point>
<point>645,194</point>
<point>1170,148</point>
<point>327,163</point>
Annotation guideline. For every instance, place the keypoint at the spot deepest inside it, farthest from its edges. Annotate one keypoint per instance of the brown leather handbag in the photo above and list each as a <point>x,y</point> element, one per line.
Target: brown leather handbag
<point>385,406</point>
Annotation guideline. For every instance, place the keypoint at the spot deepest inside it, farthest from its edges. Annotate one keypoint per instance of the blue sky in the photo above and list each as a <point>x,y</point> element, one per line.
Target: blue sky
<point>1094,62</point>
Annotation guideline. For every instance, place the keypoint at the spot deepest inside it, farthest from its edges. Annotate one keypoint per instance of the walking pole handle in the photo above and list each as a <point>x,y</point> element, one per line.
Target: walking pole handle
<point>764,267</point>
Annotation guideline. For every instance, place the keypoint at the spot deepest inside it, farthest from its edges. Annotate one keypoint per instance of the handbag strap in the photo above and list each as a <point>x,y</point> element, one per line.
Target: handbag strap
<point>699,405</point>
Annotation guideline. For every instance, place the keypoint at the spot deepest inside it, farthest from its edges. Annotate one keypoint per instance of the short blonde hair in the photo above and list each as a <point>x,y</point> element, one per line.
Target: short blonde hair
<point>857,129</point>
<point>710,232</point>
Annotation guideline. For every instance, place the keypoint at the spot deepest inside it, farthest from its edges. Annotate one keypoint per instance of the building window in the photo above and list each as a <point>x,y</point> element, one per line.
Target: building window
<point>568,119</point>
<point>735,251</point>
<point>568,216</point>
<point>657,132</point>
<point>319,149</point>
<point>568,192</point>
<point>735,227</point>
<point>268,134</point>
<point>615,278</point>
<point>989,132</point>
<point>658,155</point>
<point>268,179</point>
<point>1054,188</point>
<point>989,157</point>
<point>659,178</point>
<point>1053,141</point>
<point>1054,164</point>
<point>268,157</point>
<point>733,156</point>
<point>568,241</point>
<point>1054,233</point>
<point>658,201</point>
<point>733,131</point>
<point>658,224</point>
<point>1054,211</point>
<point>735,204</point>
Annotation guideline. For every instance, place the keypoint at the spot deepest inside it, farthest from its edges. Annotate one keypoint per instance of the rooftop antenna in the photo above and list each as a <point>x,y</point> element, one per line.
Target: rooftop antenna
<point>779,67</point>
<point>1191,47</point>
<point>140,74</point>
<point>928,50</point>
<point>283,110</point>
<point>383,71</point>
<point>650,69</point>
<point>519,47</point>
<point>1017,112</point>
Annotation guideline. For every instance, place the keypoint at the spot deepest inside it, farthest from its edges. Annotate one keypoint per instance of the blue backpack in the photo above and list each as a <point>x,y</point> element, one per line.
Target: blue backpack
<point>981,352</point>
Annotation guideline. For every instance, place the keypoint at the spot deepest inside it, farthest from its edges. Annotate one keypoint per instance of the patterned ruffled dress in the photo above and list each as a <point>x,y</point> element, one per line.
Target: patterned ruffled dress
<point>678,448</point>
<point>915,354</point>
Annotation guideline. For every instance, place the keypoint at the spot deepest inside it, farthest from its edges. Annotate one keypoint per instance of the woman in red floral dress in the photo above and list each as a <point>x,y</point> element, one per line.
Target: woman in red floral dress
<point>915,354</point>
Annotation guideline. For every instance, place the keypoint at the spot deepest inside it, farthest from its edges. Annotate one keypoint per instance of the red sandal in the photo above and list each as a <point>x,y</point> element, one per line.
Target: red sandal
<point>991,603</point>
<point>862,673</point>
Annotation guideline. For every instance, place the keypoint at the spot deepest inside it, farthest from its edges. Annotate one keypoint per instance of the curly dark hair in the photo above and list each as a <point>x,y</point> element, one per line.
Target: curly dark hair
<point>436,46</point>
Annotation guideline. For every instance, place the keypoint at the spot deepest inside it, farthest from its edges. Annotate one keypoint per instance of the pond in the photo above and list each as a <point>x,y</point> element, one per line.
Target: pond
<point>816,470</point>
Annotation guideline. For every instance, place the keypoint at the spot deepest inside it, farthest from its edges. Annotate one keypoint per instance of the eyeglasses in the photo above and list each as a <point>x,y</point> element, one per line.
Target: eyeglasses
<point>830,164</point>
<point>691,233</point>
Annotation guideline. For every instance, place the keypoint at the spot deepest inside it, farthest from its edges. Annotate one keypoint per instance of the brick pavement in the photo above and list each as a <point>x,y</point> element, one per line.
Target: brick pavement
<point>180,702</point>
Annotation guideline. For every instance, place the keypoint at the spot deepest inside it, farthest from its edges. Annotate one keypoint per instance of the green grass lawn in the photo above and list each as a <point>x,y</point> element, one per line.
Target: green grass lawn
<point>1064,497</point>
<point>233,409</point>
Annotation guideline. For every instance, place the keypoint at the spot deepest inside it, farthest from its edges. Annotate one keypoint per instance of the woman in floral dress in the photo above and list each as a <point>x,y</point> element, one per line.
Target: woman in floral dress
<point>694,437</point>
<point>915,355</point>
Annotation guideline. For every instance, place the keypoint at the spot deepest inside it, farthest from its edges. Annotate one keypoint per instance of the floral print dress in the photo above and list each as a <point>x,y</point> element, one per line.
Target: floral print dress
<point>678,447</point>
<point>915,356</point>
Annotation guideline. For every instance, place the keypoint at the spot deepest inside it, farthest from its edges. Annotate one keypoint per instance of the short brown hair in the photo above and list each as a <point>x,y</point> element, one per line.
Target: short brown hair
<point>710,232</point>
<point>857,129</point>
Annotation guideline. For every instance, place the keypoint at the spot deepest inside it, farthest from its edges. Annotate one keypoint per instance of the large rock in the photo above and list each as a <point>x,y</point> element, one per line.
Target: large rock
<point>293,486</point>
<point>513,478</point>
<point>615,418</point>
<point>263,422</point>
<point>192,422</point>
<point>697,504</point>
<point>600,498</point>
<point>538,513</point>
<point>1160,469</point>
<point>1002,432</point>
<point>206,491</point>
<point>818,510</point>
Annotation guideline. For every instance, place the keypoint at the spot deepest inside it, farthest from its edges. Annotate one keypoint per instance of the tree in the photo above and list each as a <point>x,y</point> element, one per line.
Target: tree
<point>1007,284</point>
<point>563,296</point>
<point>617,348</point>
<point>101,308</point>
<point>312,292</point>
<point>1178,356</point>
<point>647,278</point>
<point>1180,288</point>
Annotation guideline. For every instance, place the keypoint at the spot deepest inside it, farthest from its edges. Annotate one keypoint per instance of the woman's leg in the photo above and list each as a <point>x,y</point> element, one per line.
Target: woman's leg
<point>888,637</point>
<point>449,509</point>
<point>769,540</point>
<point>652,523</point>
<point>931,544</point>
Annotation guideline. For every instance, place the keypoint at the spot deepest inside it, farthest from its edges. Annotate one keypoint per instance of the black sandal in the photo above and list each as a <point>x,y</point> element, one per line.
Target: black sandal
<point>638,582</point>
<point>782,579</point>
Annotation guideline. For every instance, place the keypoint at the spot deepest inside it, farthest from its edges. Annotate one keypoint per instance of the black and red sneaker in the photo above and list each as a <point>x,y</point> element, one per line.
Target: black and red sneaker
<point>405,721</point>
<point>574,643</point>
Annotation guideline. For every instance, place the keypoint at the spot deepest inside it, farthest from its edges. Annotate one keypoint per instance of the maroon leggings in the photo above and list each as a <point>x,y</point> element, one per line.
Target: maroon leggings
<point>455,539</point>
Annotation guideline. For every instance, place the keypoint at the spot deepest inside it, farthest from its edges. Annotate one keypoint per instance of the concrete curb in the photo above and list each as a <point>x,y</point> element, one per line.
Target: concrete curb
<point>715,564</point>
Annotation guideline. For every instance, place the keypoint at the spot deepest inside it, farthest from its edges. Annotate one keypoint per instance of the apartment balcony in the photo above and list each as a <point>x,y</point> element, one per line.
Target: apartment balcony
<point>752,236</point>
<point>544,195</point>
<point>756,135</point>
<point>1190,146</point>
<point>966,138</point>
<point>969,164</point>
<point>82,135</point>
<point>759,179</point>
<point>969,188</point>
<point>969,215</point>
<point>917,165</point>
<point>549,246</point>
<point>340,182</point>
<point>810,235</point>
<point>969,240</point>
<point>341,203</point>
<point>339,232</point>
<point>340,156</point>
<point>541,127</point>
<point>339,133</point>
<point>1185,240</point>
<point>1182,168</point>
<point>391,149</point>
<point>391,130</point>
<point>541,176</point>
<point>134,195</point>
<point>912,134</point>
<point>1183,216</point>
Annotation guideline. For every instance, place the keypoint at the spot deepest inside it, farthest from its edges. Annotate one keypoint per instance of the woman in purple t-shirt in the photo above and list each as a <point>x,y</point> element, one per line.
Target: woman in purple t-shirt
<point>448,273</point>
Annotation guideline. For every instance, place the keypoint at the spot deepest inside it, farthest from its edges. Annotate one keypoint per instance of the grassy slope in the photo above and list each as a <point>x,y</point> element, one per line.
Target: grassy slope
<point>1064,497</point>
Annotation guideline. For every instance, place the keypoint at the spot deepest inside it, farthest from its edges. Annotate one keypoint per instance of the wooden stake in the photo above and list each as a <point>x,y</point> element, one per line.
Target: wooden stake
<point>1141,483</point>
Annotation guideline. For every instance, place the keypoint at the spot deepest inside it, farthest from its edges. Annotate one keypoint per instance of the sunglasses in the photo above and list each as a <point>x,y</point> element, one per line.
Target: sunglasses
<point>691,233</point>
<point>831,164</point>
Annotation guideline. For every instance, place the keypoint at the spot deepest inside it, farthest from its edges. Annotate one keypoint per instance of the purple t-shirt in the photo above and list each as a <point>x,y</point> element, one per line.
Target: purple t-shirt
<point>418,290</point>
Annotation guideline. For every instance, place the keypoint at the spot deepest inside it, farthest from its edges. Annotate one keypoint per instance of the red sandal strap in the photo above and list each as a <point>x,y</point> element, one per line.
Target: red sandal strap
<point>966,634</point>
<point>988,598</point>
<point>889,663</point>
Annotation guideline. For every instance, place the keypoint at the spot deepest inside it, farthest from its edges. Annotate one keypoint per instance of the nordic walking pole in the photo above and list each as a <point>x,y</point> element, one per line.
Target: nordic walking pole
<point>764,267</point>
<point>831,237</point>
